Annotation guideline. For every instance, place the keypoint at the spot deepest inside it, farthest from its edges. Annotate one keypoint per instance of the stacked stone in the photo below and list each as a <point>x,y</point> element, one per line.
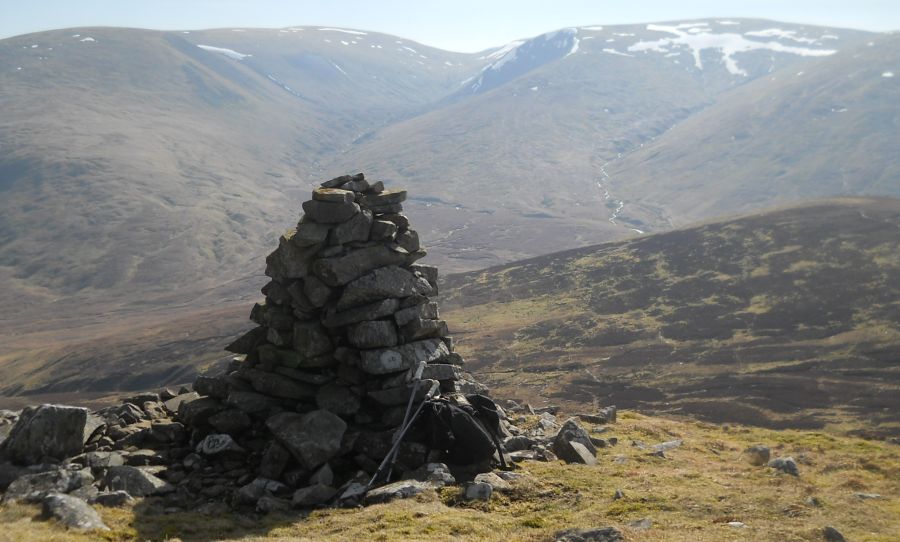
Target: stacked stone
<point>348,316</point>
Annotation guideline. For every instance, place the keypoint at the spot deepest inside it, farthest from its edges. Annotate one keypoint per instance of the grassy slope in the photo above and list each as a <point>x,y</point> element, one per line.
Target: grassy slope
<point>789,318</point>
<point>689,496</point>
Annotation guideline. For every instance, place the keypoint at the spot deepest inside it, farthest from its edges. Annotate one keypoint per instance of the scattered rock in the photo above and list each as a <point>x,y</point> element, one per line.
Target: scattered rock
<point>34,487</point>
<point>605,534</point>
<point>72,512</point>
<point>833,535</point>
<point>477,491</point>
<point>573,444</point>
<point>493,480</point>
<point>868,496</point>
<point>786,465</point>
<point>136,482</point>
<point>666,446</point>
<point>259,488</point>
<point>758,455</point>
<point>403,489</point>
<point>640,524</point>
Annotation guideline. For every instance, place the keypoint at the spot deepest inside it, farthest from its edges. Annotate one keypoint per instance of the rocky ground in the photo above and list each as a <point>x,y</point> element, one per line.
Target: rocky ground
<point>656,479</point>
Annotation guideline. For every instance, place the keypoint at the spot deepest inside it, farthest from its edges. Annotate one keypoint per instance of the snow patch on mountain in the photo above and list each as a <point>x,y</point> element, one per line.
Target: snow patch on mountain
<point>230,53</point>
<point>345,31</point>
<point>614,52</point>
<point>726,43</point>
<point>887,74</point>
<point>779,33</point>
<point>519,57</point>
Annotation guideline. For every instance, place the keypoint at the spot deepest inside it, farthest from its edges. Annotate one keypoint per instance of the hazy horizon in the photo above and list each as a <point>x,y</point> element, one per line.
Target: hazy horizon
<point>464,26</point>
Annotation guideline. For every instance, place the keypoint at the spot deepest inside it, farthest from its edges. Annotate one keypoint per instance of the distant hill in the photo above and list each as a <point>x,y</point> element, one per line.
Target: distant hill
<point>146,167</point>
<point>786,318</point>
<point>828,128</point>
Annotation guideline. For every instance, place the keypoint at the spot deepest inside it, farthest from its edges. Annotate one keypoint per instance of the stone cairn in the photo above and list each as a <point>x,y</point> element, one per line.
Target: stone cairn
<point>348,341</point>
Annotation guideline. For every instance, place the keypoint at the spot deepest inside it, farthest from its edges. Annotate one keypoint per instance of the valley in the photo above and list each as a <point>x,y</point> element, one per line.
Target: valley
<point>145,175</point>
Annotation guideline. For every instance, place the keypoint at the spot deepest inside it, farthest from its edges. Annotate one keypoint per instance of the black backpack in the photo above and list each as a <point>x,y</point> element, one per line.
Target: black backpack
<point>466,434</point>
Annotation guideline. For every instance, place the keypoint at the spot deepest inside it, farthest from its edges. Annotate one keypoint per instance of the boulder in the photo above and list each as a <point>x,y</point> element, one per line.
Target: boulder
<point>313,495</point>
<point>572,432</point>
<point>312,438</point>
<point>135,481</point>
<point>72,512</point>
<point>46,432</point>
<point>34,487</point>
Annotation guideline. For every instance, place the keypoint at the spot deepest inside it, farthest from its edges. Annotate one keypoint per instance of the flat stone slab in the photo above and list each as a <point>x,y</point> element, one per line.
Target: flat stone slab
<point>403,489</point>
<point>372,311</point>
<point>333,195</point>
<point>326,212</point>
<point>401,358</point>
<point>383,283</point>
<point>340,270</point>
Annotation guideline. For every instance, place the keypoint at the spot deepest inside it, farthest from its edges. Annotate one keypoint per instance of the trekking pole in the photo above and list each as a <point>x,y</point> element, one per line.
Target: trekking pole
<point>388,461</point>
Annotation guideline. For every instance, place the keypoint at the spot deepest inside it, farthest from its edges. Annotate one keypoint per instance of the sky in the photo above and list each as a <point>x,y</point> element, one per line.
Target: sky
<point>459,25</point>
